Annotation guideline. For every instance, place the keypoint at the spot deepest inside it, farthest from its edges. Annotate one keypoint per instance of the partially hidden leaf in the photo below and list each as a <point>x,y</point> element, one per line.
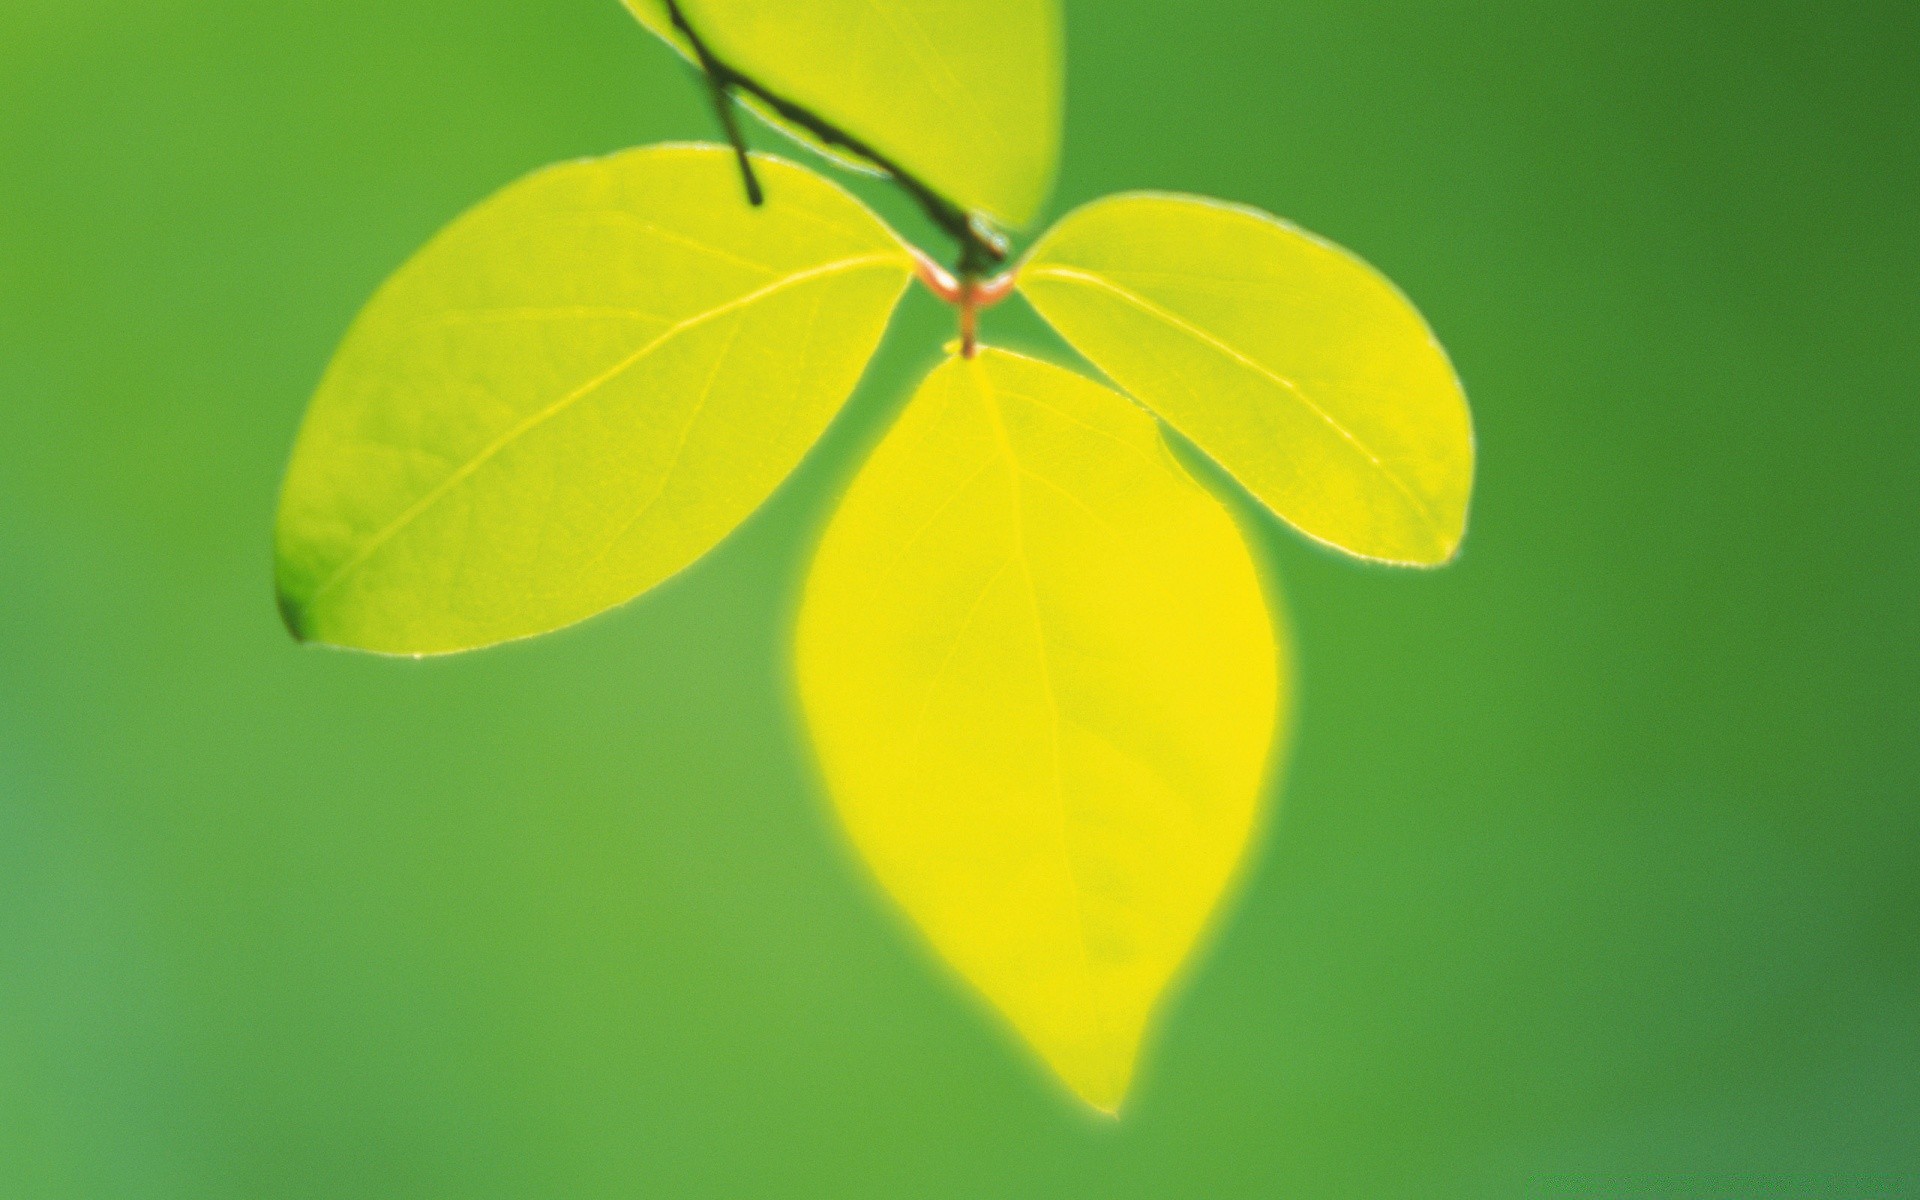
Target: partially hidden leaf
<point>1039,671</point>
<point>571,393</point>
<point>1294,365</point>
<point>965,94</point>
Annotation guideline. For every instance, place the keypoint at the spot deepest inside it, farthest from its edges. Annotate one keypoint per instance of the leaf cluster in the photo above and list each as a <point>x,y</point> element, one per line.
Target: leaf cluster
<point>1034,654</point>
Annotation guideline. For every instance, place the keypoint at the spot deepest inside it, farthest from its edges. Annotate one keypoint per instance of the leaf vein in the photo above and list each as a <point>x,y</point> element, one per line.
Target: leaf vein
<point>530,314</point>
<point>1112,529</point>
<point>900,555</point>
<point>1393,477</point>
<point>588,388</point>
<point>990,400</point>
<point>1108,434</point>
<point>925,52</point>
<point>679,447</point>
<point>918,729</point>
<point>681,239</point>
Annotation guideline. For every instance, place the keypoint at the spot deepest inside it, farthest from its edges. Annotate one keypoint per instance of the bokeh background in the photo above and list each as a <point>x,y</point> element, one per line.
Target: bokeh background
<point>1598,867</point>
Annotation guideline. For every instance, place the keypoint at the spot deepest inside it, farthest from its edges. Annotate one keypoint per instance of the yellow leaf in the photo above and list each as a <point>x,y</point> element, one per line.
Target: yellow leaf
<point>965,94</point>
<point>1037,665</point>
<point>572,393</point>
<point>1294,365</point>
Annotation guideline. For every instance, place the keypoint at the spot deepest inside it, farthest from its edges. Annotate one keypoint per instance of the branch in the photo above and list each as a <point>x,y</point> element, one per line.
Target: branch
<point>717,83</point>
<point>980,248</point>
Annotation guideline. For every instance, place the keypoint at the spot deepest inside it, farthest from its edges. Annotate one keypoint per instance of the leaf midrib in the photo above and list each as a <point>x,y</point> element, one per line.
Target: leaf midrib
<point>1095,279</point>
<point>990,400</point>
<point>439,491</point>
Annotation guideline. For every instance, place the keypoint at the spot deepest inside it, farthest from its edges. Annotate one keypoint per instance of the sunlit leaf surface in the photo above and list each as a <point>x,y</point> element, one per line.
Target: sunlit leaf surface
<point>965,94</point>
<point>573,392</point>
<point>1296,366</point>
<point>1042,680</point>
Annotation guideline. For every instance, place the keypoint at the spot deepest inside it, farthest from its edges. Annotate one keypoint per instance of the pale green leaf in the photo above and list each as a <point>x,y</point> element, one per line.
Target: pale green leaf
<point>1294,365</point>
<point>965,94</point>
<point>573,392</point>
<point>1037,665</point>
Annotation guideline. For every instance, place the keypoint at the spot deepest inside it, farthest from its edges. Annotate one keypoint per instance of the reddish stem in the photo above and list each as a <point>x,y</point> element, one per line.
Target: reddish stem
<point>938,279</point>
<point>967,295</point>
<point>969,319</point>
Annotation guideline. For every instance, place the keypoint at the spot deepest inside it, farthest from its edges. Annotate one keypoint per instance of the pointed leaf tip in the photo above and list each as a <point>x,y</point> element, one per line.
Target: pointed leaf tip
<point>289,615</point>
<point>1038,667</point>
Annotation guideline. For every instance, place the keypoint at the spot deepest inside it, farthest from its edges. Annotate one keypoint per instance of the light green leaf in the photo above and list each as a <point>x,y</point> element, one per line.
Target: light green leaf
<point>965,94</point>
<point>1296,366</point>
<point>1037,665</point>
<point>573,392</point>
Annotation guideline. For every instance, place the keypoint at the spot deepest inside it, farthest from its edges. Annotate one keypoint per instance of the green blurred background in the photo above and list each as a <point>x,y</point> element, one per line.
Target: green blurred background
<point>1598,871</point>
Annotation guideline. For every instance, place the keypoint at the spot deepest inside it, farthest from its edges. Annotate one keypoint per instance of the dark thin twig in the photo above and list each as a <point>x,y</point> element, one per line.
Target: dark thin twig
<point>723,104</point>
<point>980,249</point>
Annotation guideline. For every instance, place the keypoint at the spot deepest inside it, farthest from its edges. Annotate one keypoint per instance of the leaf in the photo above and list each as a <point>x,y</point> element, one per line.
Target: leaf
<point>1037,665</point>
<point>965,94</point>
<point>1293,364</point>
<point>573,392</point>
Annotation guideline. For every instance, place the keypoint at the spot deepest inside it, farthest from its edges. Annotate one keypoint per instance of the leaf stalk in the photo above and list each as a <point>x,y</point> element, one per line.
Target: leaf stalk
<point>966,294</point>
